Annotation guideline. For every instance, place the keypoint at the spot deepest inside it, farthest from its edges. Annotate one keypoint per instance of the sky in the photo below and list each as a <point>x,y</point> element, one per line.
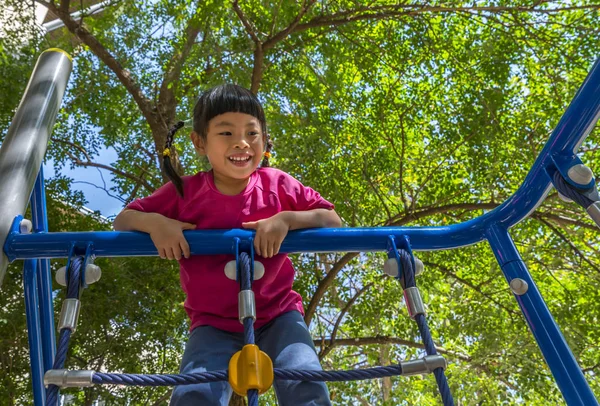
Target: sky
<point>85,178</point>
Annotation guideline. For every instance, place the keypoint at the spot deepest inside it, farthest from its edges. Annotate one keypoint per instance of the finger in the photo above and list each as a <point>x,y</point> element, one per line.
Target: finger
<point>253,225</point>
<point>161,253</point>
<point>188,226</point>
<point>264,247</point>
<point>257,245</point>
<point>276,248</point>
<point>176,252</point>
<point>270,249</point>
<point>169,252</point>
<point>185,248</point>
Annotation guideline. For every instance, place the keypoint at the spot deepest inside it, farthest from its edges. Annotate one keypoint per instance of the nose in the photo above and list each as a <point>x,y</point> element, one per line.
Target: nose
<point>241,142</point>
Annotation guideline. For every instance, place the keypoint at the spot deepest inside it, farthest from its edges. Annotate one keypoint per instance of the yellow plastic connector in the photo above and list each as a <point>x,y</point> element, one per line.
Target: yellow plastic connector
<point>250,368</point>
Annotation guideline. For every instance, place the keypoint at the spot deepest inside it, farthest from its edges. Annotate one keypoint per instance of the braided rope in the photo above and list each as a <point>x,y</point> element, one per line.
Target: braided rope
<point>65,334</point>
<point>246,284</point>
<point>159,379</point>
<point>216,376</point>
<point>565,189</point>
<point>409,281</point>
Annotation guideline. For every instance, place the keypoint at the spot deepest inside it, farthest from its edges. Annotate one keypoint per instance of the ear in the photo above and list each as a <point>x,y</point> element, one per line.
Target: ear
<point>198,143</point>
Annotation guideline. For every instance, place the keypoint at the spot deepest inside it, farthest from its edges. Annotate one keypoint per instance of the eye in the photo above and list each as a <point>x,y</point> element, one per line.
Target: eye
<point>253,133</point>
<point>225,133</point>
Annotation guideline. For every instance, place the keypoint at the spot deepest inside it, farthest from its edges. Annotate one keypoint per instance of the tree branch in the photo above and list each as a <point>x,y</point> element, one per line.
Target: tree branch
<point>447,271</point>
<point>324,284</point>
<point>326,350</point>
<point>379,340</point>
<point>105,56</point>
<point>247,24</point>
<point>88,163</point>
<point>281,35</point>
<point>571,245</point>
<point>399,220</point>
<point>173,71</point>
<point>382,12</point>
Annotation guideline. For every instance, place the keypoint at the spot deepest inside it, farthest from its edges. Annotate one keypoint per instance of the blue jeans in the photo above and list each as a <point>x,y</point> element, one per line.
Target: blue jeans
<point>285,339</point>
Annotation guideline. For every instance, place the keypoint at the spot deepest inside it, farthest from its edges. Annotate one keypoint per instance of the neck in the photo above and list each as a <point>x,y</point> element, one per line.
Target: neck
<point>229,186</point>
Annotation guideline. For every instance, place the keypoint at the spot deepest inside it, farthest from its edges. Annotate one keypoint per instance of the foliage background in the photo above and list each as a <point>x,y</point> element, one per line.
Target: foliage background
<point>401,113</point>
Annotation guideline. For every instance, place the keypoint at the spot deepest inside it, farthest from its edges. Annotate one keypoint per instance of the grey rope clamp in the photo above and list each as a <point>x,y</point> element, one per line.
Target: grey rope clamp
<point>391,267</point>
<point>246,305</point>
<point>68,379</point>
<point>69,314</point>
<point>231,270</point>
<point>414,302</point>
<point>423,365</point>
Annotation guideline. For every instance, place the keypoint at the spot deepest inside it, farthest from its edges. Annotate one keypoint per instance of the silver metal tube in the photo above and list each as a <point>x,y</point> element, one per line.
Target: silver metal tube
<point>68,379</point>
<point>414,303</point>
<point>422,365</point>
<point>69,314</point>
<point>23,149</point>
<point>594,212</point>
<point>246,305</point>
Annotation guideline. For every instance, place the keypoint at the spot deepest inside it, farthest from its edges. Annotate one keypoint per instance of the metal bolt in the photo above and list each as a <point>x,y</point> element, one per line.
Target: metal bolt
<point>580,174</point>
<point>519,286</point>
<point>25,226</point>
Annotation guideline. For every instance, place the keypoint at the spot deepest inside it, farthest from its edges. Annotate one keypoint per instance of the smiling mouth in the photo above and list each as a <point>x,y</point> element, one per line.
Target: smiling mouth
<point>240,160</point>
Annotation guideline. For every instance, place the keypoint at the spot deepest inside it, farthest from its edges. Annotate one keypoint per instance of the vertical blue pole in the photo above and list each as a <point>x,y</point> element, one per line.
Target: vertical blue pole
<point>30,268</point>
<point>555,349</point>
<point>39,219</point>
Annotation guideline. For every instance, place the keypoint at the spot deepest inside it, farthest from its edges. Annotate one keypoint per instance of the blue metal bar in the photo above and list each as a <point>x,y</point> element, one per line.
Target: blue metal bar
<point>39,219</point>
<point>555,349</point>
<point>30,268</point>
<point>578,120</point>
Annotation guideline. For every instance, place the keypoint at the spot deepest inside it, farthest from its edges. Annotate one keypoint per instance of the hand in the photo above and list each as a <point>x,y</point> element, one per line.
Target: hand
<point>270,233</point>
<point>167,236</point>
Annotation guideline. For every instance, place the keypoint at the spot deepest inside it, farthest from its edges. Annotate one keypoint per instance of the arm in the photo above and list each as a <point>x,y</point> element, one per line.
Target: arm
<point>271,232</point>
<point>311,218</point>
<point>166,233</point>
<point>133,220</point>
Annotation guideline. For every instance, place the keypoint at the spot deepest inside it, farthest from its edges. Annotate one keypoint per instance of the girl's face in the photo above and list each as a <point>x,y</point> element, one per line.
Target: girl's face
<point>234,145</point>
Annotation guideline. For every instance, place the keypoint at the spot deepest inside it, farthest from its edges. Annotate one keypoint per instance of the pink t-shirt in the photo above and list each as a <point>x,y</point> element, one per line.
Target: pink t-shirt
<point>212,298</point>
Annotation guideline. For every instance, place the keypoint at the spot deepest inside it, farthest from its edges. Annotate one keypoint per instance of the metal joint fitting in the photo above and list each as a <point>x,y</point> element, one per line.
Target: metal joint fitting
<point>69,314</point>
<point>246,305</point>
<point>424,365</point>
<point>414,303</point>
<point>594,211</point>
<point>519,286</point>
<point>68,379</point>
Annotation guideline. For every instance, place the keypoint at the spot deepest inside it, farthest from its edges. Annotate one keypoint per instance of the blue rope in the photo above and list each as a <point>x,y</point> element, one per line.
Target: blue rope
<point>65,334</point>
<point>160,379</point>
<point>409,282</point>
<point>566,189</point>
<point>246,284</point>
<point>216,376</point>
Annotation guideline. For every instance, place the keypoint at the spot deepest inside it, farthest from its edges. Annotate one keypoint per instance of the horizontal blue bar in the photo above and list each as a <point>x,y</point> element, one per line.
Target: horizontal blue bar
<point>577,122</point>
<point>210,242</point>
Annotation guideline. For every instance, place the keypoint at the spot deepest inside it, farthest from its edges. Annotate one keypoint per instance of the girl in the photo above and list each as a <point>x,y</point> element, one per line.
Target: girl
<point>230,130</point>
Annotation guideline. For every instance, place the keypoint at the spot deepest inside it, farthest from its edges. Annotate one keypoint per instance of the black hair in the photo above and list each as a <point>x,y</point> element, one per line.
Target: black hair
<point>213,102</point>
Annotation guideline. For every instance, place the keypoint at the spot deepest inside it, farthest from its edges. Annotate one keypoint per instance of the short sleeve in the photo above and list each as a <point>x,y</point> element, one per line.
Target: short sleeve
<point>297,197</point>
<point>164,200</point>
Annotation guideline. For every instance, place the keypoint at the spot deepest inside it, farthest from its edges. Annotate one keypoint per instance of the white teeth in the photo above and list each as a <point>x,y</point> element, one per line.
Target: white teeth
<point>239,159</point>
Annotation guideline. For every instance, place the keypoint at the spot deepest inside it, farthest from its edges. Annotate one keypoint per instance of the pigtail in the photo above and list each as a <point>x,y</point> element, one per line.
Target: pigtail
<point>265,162</point>
<point>169,170</point>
